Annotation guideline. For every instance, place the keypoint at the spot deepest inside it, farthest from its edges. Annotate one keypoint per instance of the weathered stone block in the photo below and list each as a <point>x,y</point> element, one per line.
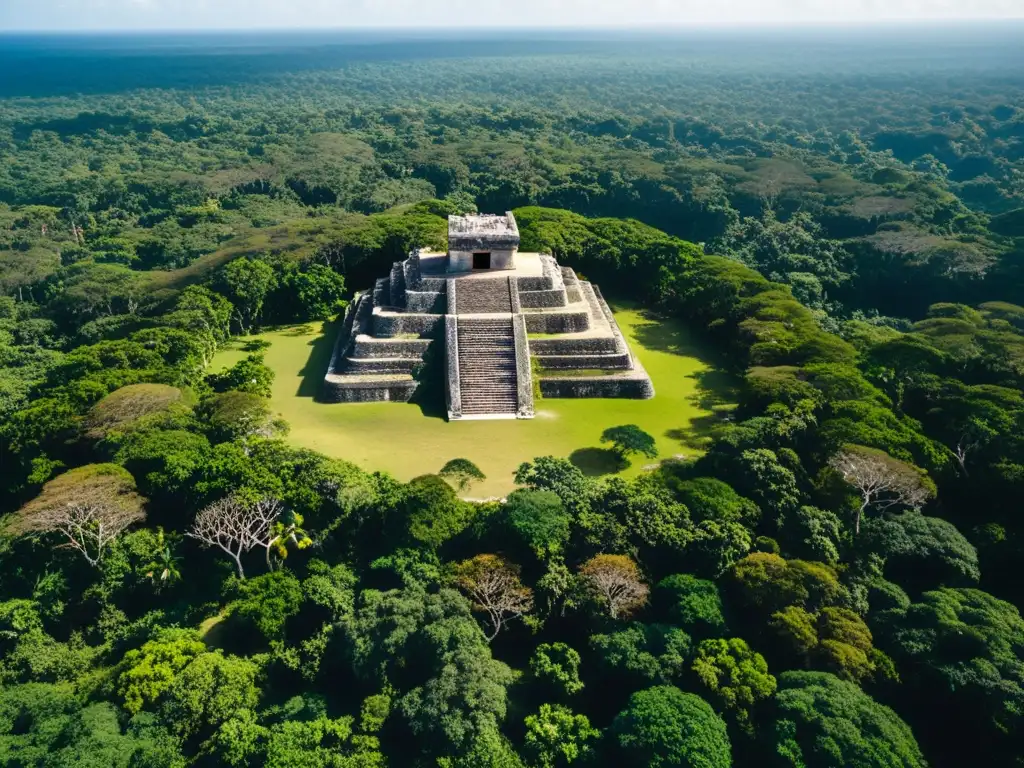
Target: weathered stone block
<point>339,391</point>
<point>557,322</point>
<point>387,324</point>
<point>637,388</point>
<point>594,345</point>
<point>540,299</point>
<point>615,361</point>
<point>453,391</point>
<point>524,372</point>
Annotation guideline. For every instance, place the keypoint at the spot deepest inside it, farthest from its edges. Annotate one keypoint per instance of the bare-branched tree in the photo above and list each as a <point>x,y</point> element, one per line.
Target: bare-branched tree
<point>237,526</point>
<point>88,507</point>
<point>494,586</point>
<point>882,481</point>
<point>617,582</point>
<point>975,434</point>
<point>88,528</point>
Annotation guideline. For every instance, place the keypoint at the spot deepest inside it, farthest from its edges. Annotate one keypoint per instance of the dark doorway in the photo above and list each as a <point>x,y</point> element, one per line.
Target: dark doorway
<point>482,260</point>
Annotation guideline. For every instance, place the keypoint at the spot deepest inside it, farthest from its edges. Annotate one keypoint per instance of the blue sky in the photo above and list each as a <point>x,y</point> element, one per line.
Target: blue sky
<point>254,14</point>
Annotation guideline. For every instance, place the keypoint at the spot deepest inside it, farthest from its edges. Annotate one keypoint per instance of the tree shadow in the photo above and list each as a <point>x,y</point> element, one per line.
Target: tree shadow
<point>697,436</point>
<point>320,350</point>
<point>304,329</point>
<point>716,388</point>
<point>717,385</point>
<point>596,462</point>
<point>670,335</point>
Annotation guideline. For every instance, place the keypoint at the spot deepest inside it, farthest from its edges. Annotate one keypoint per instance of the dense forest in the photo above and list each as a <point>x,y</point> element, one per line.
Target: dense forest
<point>833,582</point>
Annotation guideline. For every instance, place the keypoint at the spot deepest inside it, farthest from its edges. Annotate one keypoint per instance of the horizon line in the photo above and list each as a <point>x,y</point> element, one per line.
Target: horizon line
<point>653,26</point>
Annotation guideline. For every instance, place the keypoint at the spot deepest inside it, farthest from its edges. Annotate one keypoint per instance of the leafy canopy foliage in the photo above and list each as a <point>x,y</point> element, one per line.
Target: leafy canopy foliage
<point>463,473</point>
<point>629,438</point>
<point>691,603</point>
<point>736,677</point>
<point>663,727</point>
<point>820,720</point>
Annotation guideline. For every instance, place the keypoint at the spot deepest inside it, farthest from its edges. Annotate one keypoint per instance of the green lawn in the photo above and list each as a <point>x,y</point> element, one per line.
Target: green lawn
<point>400,439</point>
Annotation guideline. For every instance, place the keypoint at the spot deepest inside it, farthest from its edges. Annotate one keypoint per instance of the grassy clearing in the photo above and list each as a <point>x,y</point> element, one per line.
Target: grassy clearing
<point>399,438</point>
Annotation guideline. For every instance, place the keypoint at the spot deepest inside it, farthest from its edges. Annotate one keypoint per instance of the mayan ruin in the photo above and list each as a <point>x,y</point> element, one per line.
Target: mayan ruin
<point>501,316</point>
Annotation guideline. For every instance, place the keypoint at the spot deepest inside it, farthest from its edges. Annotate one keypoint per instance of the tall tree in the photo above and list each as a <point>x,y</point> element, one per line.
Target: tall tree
<point>882,481</point>
<point>820,721</point>
<point>665,728</point>
<point>628,439</point>
<point>87,508</point>
<point>493,585</point>
<point>247,283</point>
<point>616,581</point>
<point>237,526</point>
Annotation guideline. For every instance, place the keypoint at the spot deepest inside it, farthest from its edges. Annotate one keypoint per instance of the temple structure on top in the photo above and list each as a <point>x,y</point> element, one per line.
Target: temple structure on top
<point>482,243</point>
<point>494,318</point>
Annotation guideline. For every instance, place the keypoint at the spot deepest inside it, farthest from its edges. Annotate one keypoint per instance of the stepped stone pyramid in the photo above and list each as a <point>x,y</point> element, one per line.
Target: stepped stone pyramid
<point>492,310</point>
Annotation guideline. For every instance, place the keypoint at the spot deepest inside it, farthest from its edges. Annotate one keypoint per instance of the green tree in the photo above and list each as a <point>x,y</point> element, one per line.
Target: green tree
<point>821,721</point>
<point>561,477</point>
<point>208,691</point>
<point>665,728</point>
<point>644,653</point>
<point>767,583</point>
<point>558,666</point>
<point>736,677</point>
<point>813,533</point>
<point>449,688</point>
<point>250,374</point>
<point>462,473</point>
<point>539,519</point>
<point>239,416</point>
<point>311,293</point>
<point>44,724</point>
<point>628,439</point>
<point>247,283</point>
<point>555,736</point>
<point>265,603</point>
<point>708,498</point>
<point>147,673</point>
<point>691,603</point>
<point>963,647</point>
<point>431,511</point>
<point>921,552</point>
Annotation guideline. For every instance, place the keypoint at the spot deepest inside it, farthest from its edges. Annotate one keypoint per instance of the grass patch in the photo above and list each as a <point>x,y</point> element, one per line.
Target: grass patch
<point>406,440</point>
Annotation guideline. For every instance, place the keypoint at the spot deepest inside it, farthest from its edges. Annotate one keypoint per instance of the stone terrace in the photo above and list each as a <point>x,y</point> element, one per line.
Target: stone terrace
<point>490,325</point>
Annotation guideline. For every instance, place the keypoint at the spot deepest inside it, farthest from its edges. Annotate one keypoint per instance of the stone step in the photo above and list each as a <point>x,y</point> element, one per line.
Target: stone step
<point>488,296</point>
<point>488,378</point>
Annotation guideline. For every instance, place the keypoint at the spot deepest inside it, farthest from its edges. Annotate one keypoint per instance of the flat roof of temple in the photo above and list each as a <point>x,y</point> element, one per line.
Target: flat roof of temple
<point>483,226</point>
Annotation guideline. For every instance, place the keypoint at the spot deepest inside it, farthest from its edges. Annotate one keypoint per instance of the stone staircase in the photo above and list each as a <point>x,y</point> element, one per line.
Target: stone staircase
<point>487,365</point>
<point>490,295</point>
